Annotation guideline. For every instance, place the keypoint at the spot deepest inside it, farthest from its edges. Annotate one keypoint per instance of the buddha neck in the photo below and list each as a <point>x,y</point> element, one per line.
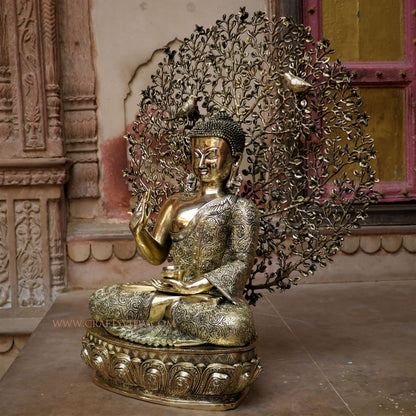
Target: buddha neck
<point>211,190</point>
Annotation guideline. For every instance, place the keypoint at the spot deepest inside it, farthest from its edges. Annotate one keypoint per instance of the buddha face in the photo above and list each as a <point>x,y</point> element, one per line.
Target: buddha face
<point>211,159</point>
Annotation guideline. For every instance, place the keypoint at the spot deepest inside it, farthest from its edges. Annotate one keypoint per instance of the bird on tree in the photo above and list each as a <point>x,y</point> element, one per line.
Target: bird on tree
<point>189,109</point>
<point>295,83</point>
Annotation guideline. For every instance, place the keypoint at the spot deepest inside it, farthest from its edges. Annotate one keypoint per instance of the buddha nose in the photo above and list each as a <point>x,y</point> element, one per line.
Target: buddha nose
<point>202,162</point>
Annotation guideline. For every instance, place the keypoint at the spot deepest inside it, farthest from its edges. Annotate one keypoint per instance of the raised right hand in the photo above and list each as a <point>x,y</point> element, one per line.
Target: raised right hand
<point>142,212</point>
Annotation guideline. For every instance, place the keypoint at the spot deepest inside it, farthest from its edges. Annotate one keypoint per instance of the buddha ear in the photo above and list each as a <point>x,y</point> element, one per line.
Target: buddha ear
<point>234,180</point>
<point>238,156</point>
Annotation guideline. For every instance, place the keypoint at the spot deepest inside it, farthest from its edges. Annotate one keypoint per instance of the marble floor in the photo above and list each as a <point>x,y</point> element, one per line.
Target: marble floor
<point>326,349</point>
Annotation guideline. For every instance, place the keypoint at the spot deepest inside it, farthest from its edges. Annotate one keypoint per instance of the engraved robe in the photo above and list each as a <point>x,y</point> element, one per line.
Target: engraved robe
<point>219,244</point>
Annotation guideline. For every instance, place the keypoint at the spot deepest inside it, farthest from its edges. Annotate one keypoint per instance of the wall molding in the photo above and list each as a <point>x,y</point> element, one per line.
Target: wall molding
<point>104,241</point>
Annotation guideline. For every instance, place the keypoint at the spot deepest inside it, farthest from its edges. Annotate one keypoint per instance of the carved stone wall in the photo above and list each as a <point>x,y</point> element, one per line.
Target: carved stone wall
<point>33,170</point>
<point>79,100</point>
<point>32,232</point>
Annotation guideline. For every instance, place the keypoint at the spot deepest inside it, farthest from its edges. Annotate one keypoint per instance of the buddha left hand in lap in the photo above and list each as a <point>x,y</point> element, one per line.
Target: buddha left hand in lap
<point>212,236</point>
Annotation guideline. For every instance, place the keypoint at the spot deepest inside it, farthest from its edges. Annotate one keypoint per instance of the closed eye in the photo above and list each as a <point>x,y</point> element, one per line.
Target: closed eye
<point>211,155</point>
<point>211,152</point>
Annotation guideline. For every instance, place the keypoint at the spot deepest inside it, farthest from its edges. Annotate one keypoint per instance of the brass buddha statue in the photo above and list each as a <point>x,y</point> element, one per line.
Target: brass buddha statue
<point>211,234</point>
<point>187,337</point>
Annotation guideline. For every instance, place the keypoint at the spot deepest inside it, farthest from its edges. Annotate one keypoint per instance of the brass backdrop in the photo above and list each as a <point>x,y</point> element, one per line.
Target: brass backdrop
<point>308,161</point>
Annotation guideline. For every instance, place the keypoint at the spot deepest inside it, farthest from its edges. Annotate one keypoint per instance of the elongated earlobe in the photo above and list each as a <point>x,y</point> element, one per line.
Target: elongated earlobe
<point>234,180</point>
<point>191,183</point>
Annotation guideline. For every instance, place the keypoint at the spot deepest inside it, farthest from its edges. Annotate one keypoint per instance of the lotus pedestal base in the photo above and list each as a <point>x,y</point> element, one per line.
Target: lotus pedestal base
<point>203,377</point>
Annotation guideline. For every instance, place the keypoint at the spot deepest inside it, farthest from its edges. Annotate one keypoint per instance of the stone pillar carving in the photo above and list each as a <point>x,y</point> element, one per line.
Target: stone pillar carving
<point>6,119</point>
<point>52,70</point>
<point>5,296</point>
<point>29,78</point>
<point>28,252</point>
<point>31,55</point>
<point>80,122</point>
<point>33,171</point>
<point>56,246</point>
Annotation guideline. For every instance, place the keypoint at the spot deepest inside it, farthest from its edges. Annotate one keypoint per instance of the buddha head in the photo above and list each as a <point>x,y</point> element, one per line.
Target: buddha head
<point>217,147</point>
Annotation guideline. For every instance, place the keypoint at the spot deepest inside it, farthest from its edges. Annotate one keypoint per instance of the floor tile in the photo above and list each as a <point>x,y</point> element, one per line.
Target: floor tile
<point>326,349</point>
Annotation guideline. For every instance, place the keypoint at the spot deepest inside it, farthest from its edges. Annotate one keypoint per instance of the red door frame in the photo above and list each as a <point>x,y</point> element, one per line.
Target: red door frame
<point>386,74</point>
